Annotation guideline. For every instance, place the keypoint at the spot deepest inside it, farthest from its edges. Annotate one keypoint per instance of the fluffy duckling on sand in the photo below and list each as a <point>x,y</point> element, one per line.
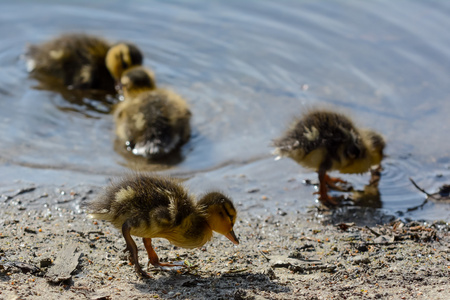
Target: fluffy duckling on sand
<point>82,61</point>
<point>150,122</point>
<point>327,141</point>
<point>157,207</point>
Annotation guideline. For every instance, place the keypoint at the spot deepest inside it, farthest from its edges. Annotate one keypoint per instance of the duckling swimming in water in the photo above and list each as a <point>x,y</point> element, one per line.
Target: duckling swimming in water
<point>82,61</point>
<point>327,141</point>
<point>157,207</point>
<point>151,122</point>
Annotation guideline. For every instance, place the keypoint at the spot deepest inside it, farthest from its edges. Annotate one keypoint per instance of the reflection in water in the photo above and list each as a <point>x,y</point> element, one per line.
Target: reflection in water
<point>81,101</point>
<point>140,163</point>
<point>370,196</point>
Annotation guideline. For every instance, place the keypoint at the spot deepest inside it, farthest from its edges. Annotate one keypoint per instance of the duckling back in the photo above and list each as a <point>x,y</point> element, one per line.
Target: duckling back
<point>318,130</point>
<point>77,60</point>
<point>143,199</point>
<point>154,123</point>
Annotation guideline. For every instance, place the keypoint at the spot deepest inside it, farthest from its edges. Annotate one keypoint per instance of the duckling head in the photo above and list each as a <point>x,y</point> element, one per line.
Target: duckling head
<point>137,80</point>
<point>121,57</point>
<point>361,153</point>
<point>220,214</point>
<point>375,144</point>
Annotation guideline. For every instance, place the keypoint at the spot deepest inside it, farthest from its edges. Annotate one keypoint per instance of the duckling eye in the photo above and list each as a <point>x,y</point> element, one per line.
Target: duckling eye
<point>353,151</point>
<point>122,60</point>
<point>228,215</point>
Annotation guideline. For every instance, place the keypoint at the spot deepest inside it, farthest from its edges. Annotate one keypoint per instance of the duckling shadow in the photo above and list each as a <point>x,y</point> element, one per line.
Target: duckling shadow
<point>362,207</point>
<point>227,285</point>
<point>4,277</point>
<point>368,197</point>
<point>361,216</point>
<point>79,100</point>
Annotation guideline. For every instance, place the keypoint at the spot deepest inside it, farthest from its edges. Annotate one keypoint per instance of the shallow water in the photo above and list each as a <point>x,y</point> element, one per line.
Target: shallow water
<point>246,68</point>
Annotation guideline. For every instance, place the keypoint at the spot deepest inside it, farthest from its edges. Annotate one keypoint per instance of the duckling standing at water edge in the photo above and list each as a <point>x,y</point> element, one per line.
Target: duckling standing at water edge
<point>82,61</point>
<point>150,122</point>
<point>327,141</point>
<point>158,207</point>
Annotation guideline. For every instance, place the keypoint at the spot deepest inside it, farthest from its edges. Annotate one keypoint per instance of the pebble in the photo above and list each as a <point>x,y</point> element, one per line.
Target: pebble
<point>360,259</point>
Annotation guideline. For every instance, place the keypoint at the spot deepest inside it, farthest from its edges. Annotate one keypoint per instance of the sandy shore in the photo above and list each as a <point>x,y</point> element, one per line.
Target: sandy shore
<point>59,253</point>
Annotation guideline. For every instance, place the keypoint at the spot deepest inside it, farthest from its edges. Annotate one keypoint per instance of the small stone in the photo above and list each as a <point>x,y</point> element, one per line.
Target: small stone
<point>45,262</point>
<point>297,255</point>
<point>270,273</point>
<point>360,260</point>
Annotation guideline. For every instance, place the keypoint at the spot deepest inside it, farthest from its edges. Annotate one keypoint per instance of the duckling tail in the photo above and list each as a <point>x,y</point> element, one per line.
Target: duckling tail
<point>155,148</point>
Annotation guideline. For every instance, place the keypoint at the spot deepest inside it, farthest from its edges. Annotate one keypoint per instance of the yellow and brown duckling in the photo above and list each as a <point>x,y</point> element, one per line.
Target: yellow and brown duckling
<point>158,207</point>
<point>150,122</point>
<point>327,141</point>
<point>82,61</point>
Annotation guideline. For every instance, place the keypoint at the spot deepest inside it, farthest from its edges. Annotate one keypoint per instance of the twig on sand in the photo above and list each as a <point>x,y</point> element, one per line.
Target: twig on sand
<point>265,256</point>
<point>20,192</point>
<point>373,231</point>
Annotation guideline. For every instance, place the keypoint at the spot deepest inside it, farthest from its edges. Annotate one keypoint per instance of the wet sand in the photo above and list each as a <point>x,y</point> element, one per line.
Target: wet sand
<point>50,253</point>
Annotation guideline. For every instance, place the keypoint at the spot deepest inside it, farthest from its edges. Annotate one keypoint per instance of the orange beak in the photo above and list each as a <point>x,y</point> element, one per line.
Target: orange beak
<point>232,237</point>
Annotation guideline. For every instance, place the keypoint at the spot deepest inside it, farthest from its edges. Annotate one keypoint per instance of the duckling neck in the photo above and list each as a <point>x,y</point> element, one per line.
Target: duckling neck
<point>135,92</point>
<point>193,232</point>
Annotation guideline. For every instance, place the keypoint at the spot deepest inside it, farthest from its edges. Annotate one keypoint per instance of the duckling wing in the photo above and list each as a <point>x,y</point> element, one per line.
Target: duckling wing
<point>316,130</point>
<point>76,59</point>
<point>144,200</point>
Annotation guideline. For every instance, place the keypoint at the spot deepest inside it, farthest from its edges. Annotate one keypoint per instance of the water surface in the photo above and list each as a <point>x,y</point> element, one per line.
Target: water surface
<point>246,68</point>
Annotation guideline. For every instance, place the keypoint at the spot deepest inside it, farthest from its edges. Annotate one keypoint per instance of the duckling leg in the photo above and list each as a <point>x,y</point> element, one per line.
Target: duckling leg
<point>323,191</point>
<point>132,248</point>
<point>375,176</point>
<point>153,257</point>
<point>332,184</point>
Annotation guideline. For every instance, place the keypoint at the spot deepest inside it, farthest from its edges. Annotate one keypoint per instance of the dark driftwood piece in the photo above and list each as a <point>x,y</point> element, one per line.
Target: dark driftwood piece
<point>65,264</point>
<point>24,267</point>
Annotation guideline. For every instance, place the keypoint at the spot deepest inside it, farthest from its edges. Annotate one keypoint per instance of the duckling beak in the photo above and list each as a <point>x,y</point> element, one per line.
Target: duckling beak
<point>232,237</point>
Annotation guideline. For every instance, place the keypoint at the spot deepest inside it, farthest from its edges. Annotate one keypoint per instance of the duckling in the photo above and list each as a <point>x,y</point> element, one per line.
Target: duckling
<point>151,122</point>
<point>327,141</point>
<point>158,207</point>
<point>82,61</point>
